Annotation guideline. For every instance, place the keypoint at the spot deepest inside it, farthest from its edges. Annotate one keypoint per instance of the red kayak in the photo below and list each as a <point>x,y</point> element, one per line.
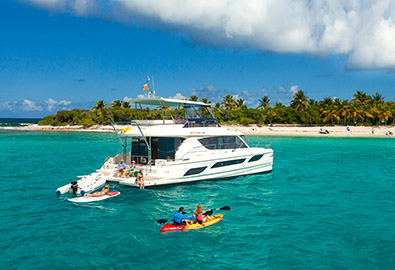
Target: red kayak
<point>171,228</point>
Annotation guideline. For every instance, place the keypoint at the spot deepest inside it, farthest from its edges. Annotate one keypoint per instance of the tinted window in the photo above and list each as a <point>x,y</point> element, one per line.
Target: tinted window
<point>195,171</point>
<point>255,158</point>
<point>227,163</point>
<point>222,142</point>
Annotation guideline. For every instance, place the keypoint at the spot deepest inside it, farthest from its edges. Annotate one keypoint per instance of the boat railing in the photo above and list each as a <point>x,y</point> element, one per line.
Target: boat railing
<point>201,123</point>
<point>149,156</point>
<point>266,144</point>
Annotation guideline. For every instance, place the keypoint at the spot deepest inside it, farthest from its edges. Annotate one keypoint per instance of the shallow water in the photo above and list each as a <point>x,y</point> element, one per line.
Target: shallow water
<point>328,204</point>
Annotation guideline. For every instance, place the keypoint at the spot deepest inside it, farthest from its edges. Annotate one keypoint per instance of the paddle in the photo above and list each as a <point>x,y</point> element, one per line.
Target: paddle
<point>207,213</point>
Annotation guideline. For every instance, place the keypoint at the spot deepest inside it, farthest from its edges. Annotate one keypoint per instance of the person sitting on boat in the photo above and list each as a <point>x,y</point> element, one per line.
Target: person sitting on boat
<point>121,168</point>
<point>130,172</point>
<point>179,218</point>
<point>140,179</point>
<point>200,214</point>
<point>104,191</point>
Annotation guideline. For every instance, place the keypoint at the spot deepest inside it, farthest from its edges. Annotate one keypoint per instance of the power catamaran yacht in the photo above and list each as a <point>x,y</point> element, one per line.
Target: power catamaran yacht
<point>186,145</point>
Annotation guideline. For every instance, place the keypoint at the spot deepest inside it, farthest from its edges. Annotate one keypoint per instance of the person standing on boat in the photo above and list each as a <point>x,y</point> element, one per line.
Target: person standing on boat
<point>140,179</point>
<point>179,218</point>
<point>121,168</point>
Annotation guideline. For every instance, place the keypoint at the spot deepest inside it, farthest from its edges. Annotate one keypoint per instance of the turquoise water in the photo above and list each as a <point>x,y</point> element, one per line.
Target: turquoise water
<point>328,204</point>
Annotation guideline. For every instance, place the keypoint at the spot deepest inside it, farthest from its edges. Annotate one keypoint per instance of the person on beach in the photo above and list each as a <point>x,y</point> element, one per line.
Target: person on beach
<point>121,168</point>
<point>140,179</point>
<point>179,218</point>
<point>131,170</point>
<point>200,214</point>
<point>104,191</point>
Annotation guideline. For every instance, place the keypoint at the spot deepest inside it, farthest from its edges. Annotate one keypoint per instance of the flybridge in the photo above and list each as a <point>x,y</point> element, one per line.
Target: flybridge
<point>174,111</point>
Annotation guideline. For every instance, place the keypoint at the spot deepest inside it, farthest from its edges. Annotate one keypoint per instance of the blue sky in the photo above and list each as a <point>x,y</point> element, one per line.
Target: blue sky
<point>57,54</point>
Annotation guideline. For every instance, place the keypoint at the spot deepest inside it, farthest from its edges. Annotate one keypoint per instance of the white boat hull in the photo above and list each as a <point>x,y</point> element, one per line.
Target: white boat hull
<point>217,168</point>
<point>86,184</point>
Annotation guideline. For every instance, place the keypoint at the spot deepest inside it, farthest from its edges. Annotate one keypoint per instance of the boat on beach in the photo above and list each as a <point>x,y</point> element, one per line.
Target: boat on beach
<point>185,145</point>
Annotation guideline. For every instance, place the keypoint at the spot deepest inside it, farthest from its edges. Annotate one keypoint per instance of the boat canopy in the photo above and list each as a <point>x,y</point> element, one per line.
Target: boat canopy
<point>166,102</point>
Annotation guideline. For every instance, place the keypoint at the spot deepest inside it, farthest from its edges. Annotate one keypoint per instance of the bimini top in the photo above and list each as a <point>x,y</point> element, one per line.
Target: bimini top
<point>166,102</point>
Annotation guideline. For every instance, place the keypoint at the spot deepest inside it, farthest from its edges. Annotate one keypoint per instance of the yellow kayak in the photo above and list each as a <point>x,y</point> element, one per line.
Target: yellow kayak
<point>195,225</point>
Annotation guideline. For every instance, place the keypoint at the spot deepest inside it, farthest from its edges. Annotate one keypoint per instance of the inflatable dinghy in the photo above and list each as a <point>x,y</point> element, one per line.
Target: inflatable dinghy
<point>86,184</point>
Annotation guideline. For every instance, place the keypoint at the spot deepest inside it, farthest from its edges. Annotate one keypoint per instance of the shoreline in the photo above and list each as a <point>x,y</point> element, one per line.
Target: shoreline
<point>275,130</point>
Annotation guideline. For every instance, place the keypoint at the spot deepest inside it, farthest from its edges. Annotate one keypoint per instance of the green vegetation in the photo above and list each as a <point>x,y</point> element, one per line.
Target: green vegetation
<point>362,109</point>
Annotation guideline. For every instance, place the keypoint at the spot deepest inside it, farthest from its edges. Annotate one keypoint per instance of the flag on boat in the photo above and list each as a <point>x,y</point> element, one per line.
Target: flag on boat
<point>145,86</point>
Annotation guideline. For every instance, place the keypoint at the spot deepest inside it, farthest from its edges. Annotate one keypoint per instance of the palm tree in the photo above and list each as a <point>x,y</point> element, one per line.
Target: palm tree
<point>299,101</point>
<point>384,113</point>
<point>126,105</point>
<point>228,102</point>
<point>356,112</point>
<point>263,103</point>
<point>330,112</point>
<point>269,113</point>
<point>240,103</point>
<point>116,104</point>
<point>99,109</point>
<point>193,98</point>
<point>362,100</point>
<point>377,98</point>
<point>344,110</point>
<point>205,100</point>
<point>360,97</point>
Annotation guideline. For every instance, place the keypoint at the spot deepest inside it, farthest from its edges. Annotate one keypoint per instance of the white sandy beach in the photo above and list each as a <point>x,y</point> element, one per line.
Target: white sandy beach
<point>275,130</point>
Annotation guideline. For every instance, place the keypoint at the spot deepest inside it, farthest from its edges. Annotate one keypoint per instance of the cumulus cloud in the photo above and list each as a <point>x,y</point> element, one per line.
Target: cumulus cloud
<point>364,31</point>
<point>53,104</point>
<point>283,93</point>
<point>49,105</point>
<point>250,98</point>
<point>28,106</point>
<point>208,91</point>
<point>179,96</point>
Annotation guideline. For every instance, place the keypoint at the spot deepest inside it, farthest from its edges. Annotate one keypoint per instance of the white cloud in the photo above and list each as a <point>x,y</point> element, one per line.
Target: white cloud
<point>208,91</point>
<point>362,30</point>
<point>179,96</point>
<point>49,105</point>
<point>29,106</point>
<point>53,104</point>
<point>293,89</point>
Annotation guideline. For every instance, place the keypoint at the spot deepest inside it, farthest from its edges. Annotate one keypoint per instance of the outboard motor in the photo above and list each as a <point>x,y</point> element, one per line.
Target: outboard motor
<point>74,187</point>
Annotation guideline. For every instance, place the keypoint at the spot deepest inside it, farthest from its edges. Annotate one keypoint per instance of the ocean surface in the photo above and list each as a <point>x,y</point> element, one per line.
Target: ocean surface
<point>329,203</point>
<point>14,122</point>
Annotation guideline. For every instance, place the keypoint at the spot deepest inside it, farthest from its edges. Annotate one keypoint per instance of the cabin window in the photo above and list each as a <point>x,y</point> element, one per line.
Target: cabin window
<point>195,171</point>
<point>255,158</point>
<point>164,147</point>
<point>228,163</point>
<point>222,142</point>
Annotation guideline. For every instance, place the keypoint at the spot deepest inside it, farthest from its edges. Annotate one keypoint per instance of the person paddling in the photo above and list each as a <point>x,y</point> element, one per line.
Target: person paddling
<point>179,218</point>
<point>200,215</point>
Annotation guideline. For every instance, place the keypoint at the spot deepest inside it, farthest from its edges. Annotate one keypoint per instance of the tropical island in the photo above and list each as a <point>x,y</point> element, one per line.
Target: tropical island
<point>361,110</point>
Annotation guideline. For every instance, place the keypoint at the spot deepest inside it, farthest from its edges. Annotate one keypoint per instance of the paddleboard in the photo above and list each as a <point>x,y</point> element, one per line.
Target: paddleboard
<point>94,199</point>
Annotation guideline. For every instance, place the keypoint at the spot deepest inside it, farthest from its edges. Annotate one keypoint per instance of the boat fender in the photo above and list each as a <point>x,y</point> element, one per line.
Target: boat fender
<point>58,192</point>
<point>82,192</point>
<point>74,187</point>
